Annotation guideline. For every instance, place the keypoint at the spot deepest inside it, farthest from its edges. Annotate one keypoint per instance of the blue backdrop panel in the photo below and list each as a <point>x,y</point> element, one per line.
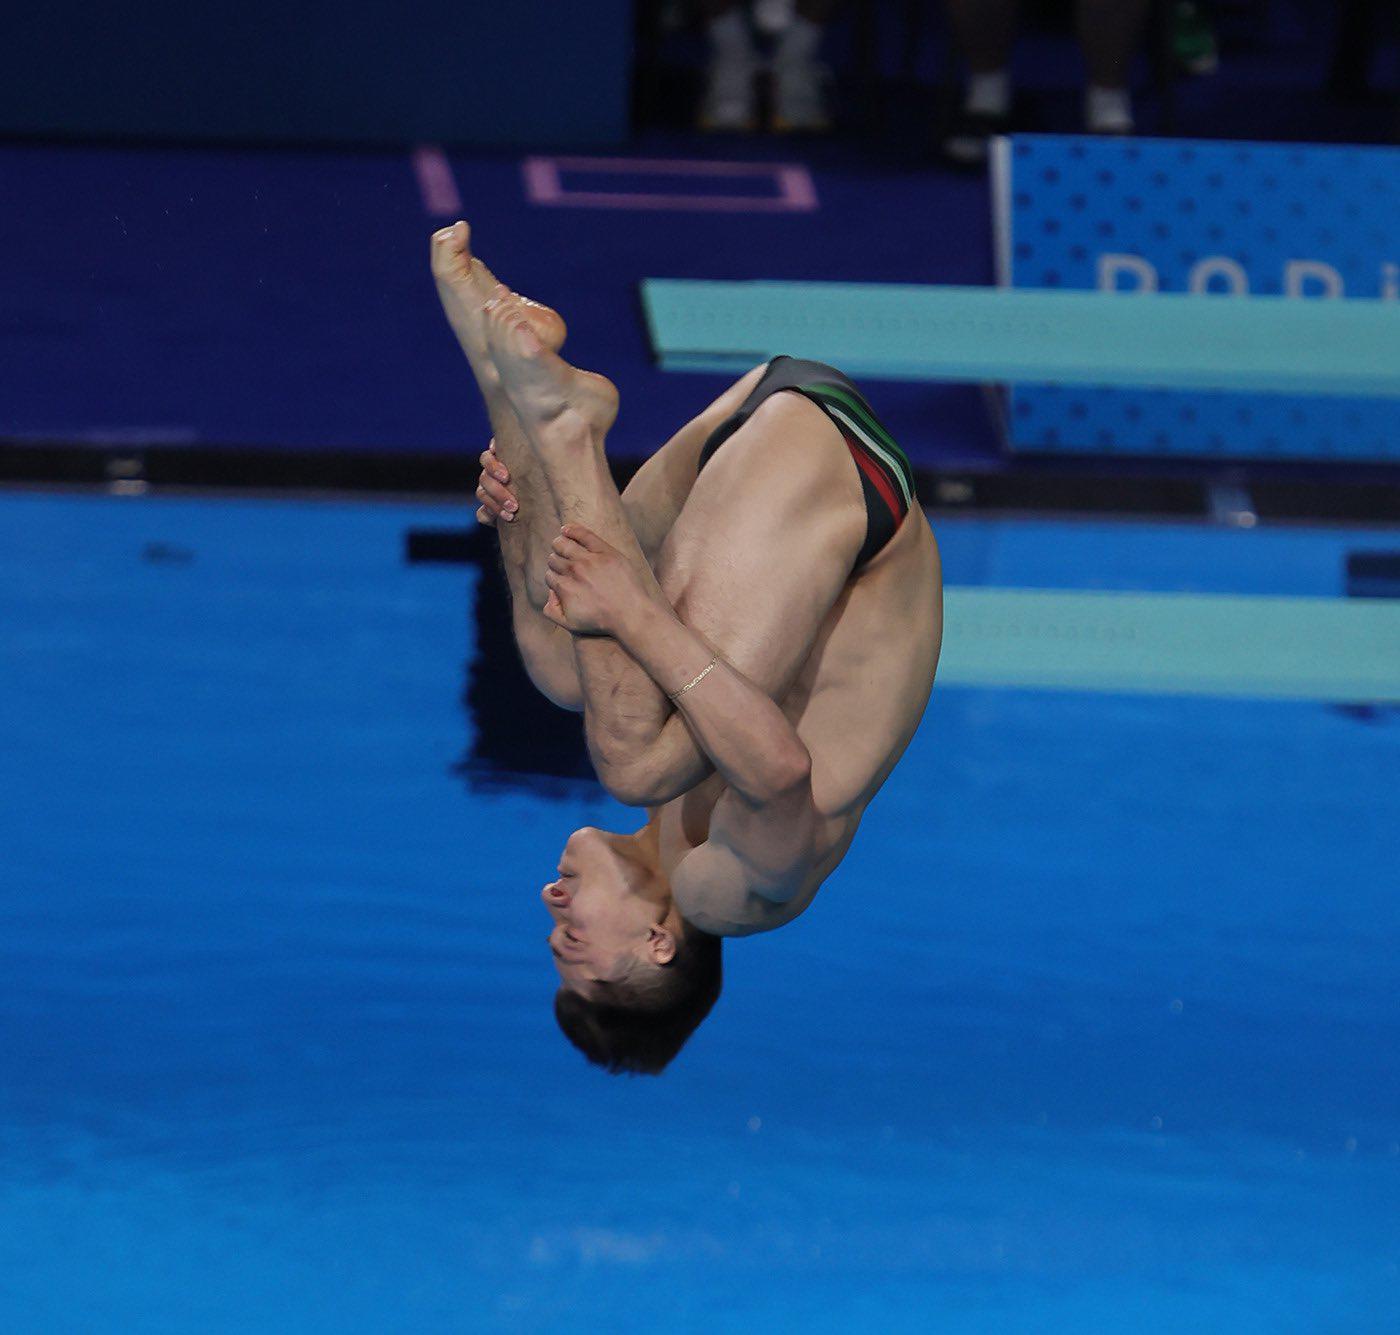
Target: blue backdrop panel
<point>1182,216</point>
<point>530,72</point>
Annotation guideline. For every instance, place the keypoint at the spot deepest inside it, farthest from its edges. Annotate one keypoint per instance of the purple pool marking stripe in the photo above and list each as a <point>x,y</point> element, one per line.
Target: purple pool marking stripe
<point>796,191</point>
<point>435,181</point>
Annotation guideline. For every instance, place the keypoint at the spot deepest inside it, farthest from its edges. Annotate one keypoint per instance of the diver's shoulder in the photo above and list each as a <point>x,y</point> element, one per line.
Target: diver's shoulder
<point>710,895</point>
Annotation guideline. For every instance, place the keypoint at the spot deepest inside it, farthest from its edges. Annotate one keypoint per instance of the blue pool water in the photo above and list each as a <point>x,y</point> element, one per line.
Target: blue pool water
<point>1095,1030</point>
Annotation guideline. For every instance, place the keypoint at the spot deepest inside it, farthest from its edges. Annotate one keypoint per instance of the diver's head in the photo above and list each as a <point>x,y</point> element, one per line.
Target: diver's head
<point>614,923</point>
<point>636,977</point>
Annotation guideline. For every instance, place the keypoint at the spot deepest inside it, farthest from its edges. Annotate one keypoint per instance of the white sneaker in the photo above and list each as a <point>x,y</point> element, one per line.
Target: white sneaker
<point>799,97</point>
<point>730,100</point>
<point>772,16</point>
<point>1108,111</point>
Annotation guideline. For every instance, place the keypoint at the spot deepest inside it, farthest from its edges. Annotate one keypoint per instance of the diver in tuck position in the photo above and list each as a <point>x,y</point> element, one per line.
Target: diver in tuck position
<point>750,630</point>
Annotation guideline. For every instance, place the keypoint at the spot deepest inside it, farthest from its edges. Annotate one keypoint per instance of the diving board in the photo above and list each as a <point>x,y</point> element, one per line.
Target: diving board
<point>903,331</point>
<point>1344,651</point>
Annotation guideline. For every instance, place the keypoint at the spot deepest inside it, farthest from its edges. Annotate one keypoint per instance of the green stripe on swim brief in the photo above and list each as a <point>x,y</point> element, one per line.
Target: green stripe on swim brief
<point>901,473</point>
<point>895,467</point>
<point>863,411</point>
<point>856,405</point>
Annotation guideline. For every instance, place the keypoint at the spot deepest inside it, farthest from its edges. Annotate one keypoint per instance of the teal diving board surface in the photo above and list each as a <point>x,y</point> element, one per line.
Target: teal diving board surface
<point>902,331</point>
<point>1337,650</point>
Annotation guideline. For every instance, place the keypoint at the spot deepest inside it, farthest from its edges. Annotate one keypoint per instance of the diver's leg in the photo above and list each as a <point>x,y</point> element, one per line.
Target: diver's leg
<point>778,572</point>
<point>464,285</point>
<point>565,414</point>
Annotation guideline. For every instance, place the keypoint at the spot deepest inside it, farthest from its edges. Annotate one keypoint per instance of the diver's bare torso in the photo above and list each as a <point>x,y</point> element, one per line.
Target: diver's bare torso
<point>751,559</point>
<point>857,698</point>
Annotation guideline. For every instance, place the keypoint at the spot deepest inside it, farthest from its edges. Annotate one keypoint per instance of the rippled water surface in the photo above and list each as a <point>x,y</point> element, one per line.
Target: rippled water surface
<point>1096,1029</point>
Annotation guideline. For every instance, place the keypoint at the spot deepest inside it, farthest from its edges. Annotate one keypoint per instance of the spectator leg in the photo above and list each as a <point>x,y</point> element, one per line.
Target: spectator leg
<point>983,31</point>
<point>799,80</point>
<point>730,99</point>
<point>1109,33</point>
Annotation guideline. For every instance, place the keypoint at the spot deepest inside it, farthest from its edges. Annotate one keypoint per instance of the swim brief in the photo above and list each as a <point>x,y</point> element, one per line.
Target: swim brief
<point>885,475</point>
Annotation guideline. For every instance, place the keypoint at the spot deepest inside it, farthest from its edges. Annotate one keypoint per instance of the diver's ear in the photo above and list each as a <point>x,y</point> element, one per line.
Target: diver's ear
<point>661,945</point>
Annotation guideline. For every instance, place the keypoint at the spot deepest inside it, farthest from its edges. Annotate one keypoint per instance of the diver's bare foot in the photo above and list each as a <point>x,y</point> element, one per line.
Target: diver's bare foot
<point>464,287</point>
<point>547,323</point>
<point>554,401</point>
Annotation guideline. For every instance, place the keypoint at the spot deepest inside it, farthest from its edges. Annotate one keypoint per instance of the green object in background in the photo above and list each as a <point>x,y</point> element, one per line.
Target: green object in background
<point>1193,39</point>
<point>1330,649</point>
<point>922,332</point>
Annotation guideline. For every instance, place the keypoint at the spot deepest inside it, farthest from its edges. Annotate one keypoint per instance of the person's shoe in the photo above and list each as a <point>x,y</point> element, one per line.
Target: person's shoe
<point>1108,111</point>
<point>730,101</point>
<point>772,16</point>
<point>968,142</point>
<point>799,97</point>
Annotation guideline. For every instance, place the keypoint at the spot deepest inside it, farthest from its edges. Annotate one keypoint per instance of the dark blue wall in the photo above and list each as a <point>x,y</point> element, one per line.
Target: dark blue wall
<point>522,72</point>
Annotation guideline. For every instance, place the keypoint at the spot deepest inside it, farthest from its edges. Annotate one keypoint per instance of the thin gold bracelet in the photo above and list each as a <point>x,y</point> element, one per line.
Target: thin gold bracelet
<point>704,672</point>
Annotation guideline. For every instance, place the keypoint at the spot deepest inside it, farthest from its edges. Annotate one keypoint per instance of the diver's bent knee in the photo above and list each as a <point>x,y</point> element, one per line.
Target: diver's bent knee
<point>638,786</point>
<point>557,686</point>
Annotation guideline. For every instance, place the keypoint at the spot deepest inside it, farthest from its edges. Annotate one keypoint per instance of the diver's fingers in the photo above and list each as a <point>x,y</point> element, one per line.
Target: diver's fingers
<point>499,496</point>
<point>585,537</point>
<point>554,610</point>
<point>568,548</point>
<point>490,463</point>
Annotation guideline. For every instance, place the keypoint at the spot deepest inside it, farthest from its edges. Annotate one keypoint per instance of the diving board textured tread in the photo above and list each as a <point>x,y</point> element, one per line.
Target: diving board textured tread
<point>921,332</point>
<point>1328,649</point>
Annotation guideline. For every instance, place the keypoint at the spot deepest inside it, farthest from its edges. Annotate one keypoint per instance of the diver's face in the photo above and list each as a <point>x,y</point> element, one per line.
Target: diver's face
<point>608,914</point>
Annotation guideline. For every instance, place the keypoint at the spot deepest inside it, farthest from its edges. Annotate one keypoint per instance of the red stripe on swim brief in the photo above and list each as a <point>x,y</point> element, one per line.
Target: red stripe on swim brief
<point>877,479</point>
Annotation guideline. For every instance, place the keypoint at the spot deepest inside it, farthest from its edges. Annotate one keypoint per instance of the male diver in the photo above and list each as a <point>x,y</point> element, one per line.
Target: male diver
<point>750,631</point>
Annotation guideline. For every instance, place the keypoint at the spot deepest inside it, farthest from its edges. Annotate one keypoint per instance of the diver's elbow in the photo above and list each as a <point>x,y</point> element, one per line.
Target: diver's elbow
<point>640,784</point>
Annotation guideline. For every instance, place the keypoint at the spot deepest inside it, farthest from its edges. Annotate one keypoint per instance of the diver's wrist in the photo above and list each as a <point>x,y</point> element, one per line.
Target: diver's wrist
<point>667,649</point>
<point>642,620</point>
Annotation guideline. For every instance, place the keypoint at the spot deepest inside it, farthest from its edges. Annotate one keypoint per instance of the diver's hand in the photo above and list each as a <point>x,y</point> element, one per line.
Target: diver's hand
<point>493,490</point>
<point>593,590</point>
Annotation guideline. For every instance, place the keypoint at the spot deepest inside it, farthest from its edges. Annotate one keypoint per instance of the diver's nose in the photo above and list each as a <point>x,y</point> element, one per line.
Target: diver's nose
<point>555,895</point>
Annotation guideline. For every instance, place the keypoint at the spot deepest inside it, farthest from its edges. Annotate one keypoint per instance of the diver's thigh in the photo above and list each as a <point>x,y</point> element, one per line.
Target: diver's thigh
<point>766,541</point>
<point>660,488</point>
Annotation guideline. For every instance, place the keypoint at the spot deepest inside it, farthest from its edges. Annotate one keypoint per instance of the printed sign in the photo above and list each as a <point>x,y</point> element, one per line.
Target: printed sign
<point>1235,219</point>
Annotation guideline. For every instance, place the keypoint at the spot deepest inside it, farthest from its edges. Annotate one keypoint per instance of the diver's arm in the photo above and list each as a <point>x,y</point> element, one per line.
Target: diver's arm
<point>744,733</point>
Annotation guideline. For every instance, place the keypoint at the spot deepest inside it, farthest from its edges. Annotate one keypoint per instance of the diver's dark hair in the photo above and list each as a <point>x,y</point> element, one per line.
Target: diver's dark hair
<point>641,1038</point>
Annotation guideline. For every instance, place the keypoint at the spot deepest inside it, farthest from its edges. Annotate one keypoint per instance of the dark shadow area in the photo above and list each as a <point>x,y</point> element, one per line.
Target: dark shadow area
<point>521,740</point>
